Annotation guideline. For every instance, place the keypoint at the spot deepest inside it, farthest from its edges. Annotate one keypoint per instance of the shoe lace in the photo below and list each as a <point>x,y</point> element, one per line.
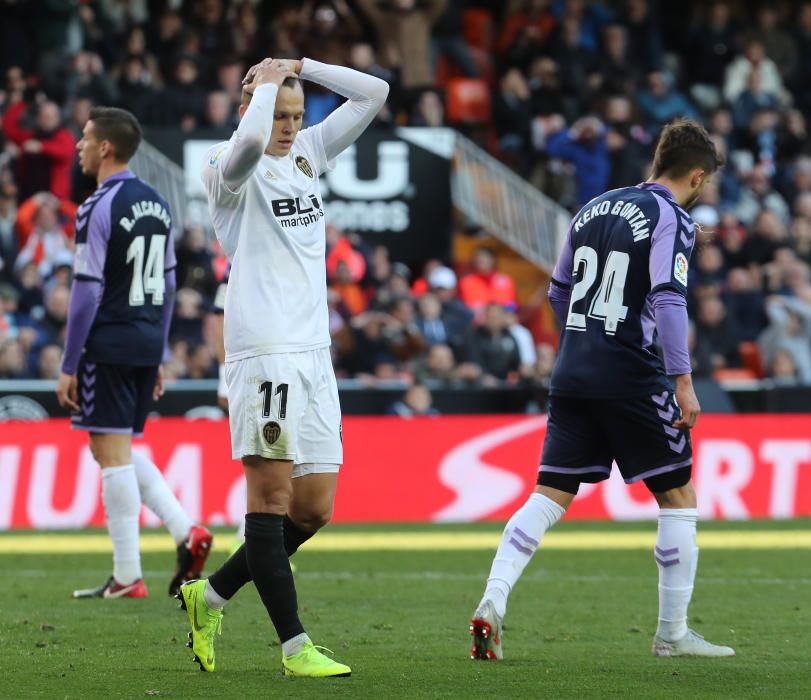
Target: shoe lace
<point>214,629</point>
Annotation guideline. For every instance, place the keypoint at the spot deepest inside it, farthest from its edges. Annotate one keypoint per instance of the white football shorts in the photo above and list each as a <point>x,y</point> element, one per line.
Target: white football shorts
<point>285,406</point>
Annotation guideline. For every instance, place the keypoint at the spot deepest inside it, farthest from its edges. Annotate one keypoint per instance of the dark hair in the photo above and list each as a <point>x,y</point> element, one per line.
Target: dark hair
<point>684,145</point>
<point>119,127</point>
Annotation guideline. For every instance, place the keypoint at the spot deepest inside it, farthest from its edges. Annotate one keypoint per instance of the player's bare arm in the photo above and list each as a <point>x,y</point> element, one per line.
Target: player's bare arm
<point>688,402</point>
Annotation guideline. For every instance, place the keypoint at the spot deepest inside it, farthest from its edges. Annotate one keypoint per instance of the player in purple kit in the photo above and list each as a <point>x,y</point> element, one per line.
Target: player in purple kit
<point>118,324</point>
<point>620,277</point>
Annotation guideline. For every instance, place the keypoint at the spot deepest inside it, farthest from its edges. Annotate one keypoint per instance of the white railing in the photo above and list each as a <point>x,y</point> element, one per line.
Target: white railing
<point>492,196</point>
<point>166,177</point>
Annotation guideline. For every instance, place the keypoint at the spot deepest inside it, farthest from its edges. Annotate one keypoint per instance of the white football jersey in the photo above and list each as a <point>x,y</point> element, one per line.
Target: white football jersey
<point>271,224</point>
<point>272,230</point>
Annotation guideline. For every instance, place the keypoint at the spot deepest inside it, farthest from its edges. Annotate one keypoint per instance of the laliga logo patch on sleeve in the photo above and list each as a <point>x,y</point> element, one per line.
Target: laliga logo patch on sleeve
<point>213,160</point>
<point>680,269</point>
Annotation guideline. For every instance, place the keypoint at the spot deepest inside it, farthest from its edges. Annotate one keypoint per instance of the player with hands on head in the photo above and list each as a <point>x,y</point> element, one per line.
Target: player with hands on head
<point>118,325</point>
<point>621,277</point>
<point>266,205</point>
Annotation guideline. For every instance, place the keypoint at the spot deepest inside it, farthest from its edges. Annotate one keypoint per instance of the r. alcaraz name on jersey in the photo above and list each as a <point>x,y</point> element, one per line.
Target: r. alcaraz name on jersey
<point>622,274</point>
<point>121,300</point>
<point>268,215</point>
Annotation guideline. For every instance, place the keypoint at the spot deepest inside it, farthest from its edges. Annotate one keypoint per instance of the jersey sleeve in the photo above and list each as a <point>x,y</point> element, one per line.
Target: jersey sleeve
<point>92,238</point>
<point>671,247</point>
<point>366,95</point>
<point>229,165</point>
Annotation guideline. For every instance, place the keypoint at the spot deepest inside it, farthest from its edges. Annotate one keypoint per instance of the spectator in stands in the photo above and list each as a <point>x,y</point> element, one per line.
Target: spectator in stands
<point>493,347</point>
<point>447,40</point>
<point>187,322</point>
<point>801,238</point>
<point>628,144</point>
<point>511,115</point>
<point>55,320</point>
<point>403,29</point>
<point>525,32</point>
<point>644,35</point>
<point>417,401</point>
<point>661,102</point>
<point>584,146</point>
<point>220,112</point>
<point>12,360</point>
<point>214,32</point>
<point>183,102</point>
<point>89,79</point>
<point>753,59</point>
<point>752,100</point>
<point>799,81</point>
<point>248,37</point>
<point>578,64</point>
<point>789,331</point>
<point>326,29</point>
<point>195,263</point>
<point>201,364</point>
<point>346,286</point>
<point>617,73</point>
<point>778,44</point>
<point>523,339</point>
<point>48,244</point>
<point>428,110</point>
<point>759,197</point>
<point>546,354</point>
<point>49,362</point>
<point>744,302</point>
<point>402,330</point>
<point>485,284</point>
<point>717,333</point>
<point>456,315</point>
<point>46,151</point>
<point>430,322</point>
<point>137,89</point>
<point>8,236</point>
<point>437,365</point>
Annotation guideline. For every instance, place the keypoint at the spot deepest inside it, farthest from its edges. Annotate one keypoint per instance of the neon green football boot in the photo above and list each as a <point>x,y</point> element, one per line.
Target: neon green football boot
<point>205,622</point>
<point>311,663</point>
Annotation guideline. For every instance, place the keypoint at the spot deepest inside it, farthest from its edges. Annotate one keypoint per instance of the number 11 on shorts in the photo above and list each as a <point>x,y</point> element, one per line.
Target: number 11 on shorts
<point>266,388</point>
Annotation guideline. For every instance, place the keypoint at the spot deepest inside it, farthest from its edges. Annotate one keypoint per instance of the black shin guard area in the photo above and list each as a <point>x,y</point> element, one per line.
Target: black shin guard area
<point>232,575</point>
<point>270,570</point>
<point>294,536</point>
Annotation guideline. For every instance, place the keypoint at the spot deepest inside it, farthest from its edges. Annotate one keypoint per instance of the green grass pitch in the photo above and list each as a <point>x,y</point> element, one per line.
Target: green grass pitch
<point>579,626</point>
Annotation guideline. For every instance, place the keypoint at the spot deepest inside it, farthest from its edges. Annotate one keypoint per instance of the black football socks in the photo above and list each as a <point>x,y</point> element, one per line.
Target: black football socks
<point>294,536</point>
<point>269,568</point>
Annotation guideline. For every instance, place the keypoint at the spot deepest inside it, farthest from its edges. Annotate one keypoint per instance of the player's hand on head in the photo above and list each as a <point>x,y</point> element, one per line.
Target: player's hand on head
<point>688,403</point>
<point>270,70</point>
<point>67,393</point>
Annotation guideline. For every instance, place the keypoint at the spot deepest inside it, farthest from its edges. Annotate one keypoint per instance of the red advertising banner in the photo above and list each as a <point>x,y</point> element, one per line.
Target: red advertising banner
<point>444,469</point>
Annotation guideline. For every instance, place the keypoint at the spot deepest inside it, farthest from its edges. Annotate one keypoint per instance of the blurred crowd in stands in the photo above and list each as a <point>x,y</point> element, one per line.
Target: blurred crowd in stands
<point>570,94</point>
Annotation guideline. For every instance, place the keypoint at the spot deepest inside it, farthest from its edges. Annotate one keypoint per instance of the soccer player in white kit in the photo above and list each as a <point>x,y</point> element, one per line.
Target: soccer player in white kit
<point>265,201</point>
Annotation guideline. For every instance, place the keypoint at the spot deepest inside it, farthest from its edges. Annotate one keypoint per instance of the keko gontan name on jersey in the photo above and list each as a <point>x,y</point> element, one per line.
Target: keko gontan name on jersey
<point>630,212</point>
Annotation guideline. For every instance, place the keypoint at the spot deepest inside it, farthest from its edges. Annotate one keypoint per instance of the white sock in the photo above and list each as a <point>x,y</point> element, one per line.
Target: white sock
<point>676,556</point>
<point>518,543</point>
<point>213,599</point>
<point>295,644</point>
<point>122,506</point>
<point>158,497</point>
